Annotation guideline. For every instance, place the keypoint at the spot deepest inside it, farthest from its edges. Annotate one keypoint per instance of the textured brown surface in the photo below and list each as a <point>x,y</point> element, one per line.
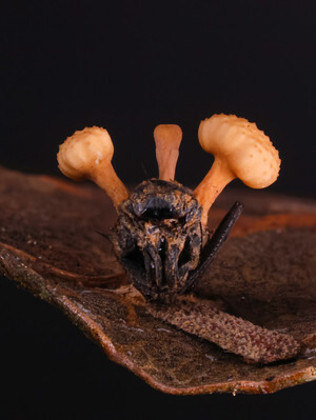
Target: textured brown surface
<point>203,319</point>
<point>265,273</point>
<point>157,251</point>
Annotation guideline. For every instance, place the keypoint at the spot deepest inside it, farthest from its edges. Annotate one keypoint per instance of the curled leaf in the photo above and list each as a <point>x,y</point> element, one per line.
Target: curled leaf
<point>265,274</point>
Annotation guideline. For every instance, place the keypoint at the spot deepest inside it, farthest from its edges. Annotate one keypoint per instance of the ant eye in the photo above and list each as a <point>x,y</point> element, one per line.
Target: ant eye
<point>158,209</point>
<point>158,213</point>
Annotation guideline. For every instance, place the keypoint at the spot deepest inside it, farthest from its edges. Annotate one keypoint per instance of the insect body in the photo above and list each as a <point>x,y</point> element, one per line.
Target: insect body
<point>158,237</point>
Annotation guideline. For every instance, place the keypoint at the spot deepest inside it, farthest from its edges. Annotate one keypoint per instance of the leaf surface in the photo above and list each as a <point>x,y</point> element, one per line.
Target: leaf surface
<point>265,273</point>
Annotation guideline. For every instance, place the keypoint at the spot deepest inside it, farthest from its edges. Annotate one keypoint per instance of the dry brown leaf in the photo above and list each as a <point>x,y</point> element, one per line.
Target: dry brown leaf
<point>265,273</point>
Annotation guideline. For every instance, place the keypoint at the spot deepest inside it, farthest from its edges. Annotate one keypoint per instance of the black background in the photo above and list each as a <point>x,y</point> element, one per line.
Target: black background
<point>128,66</point>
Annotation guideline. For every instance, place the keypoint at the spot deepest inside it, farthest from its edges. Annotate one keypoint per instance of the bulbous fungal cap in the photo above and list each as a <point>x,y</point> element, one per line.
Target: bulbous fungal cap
<point>84,151</point>
<point>247,151</point>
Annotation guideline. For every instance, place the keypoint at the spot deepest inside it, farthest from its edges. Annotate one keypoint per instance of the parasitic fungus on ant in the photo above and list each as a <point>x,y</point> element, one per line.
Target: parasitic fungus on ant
<point>160,236</point>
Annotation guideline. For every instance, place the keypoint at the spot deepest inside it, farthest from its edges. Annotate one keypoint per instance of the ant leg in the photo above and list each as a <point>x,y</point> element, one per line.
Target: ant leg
<point>216,241</point>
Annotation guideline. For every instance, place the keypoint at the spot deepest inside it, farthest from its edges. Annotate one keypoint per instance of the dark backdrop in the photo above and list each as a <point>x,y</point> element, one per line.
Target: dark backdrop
<point>128,66</point>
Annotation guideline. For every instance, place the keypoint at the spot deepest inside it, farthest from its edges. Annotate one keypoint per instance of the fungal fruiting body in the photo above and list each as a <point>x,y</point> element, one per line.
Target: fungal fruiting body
<point>87,154</point>
<point>241,151</point>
